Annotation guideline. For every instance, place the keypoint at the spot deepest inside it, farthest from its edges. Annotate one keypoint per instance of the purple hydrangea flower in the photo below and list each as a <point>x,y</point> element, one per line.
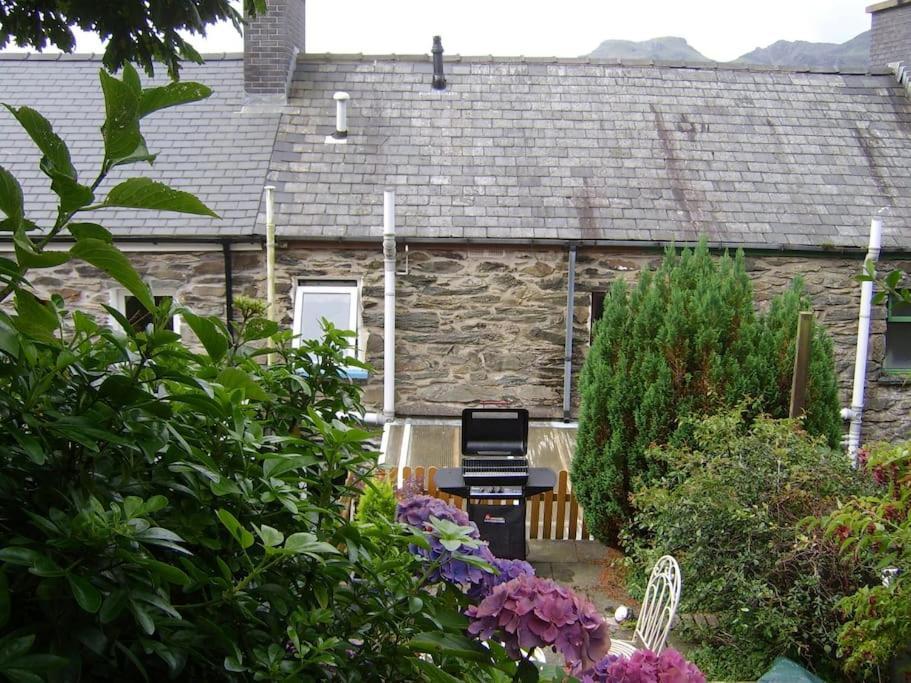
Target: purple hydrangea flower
<point>508,570</point>
<point>417,511</point>
<point>529,612</point>
<point>644,666</point>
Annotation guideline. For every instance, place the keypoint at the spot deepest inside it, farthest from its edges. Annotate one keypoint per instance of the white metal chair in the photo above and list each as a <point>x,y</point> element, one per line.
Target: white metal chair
<point>658,609</point>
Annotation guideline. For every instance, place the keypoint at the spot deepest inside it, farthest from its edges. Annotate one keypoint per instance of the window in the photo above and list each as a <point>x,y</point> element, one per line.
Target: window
<point>597,309</point>
<point>136,314</point>
<point>337,302</point>
<point>898,337</point>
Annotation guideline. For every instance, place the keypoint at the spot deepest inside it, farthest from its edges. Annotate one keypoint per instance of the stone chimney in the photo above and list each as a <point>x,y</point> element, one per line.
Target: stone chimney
<point>271,44</point>
<point>890,33</point>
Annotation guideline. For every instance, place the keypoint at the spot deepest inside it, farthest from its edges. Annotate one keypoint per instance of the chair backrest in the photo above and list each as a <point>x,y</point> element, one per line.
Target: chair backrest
<point>659,605</point>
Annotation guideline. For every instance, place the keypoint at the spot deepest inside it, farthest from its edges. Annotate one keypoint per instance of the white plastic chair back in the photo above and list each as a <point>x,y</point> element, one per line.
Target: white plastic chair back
<point>659,605</point>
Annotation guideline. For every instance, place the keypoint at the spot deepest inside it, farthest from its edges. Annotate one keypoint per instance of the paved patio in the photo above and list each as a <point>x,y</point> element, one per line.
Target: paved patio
<point>586,567</point>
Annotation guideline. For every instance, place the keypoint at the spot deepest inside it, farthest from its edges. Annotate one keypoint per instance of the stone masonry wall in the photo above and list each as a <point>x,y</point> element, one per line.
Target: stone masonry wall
<point>477,323</point>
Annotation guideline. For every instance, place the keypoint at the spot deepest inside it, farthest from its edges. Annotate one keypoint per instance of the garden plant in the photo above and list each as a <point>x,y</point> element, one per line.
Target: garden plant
<point>738,507</point>
<point>877,528</point>
<point>685,341</point>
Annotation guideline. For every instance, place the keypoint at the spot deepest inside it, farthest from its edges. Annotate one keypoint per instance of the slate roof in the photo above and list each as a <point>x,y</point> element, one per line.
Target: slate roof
<point>207,147</point>
<point>570,149</point>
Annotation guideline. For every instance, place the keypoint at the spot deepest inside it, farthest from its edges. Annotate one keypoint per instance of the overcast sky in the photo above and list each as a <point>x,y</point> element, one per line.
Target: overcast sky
<point>719,29</point>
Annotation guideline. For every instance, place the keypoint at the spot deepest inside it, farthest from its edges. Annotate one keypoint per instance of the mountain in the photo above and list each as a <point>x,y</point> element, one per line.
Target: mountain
<point>852,53</point>
<point>669,48</point>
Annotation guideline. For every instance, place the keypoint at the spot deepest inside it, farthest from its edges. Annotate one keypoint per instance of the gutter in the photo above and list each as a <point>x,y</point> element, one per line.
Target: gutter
<point>229,286</point>
<point>757,249</point>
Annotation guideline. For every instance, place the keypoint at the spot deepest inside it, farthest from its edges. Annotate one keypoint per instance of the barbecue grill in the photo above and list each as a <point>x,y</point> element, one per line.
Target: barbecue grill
<point>495,476</point>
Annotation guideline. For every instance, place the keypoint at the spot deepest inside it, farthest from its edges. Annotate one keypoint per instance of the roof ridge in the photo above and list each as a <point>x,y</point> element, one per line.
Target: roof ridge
<point>594,61</point>
<point>96,57</point>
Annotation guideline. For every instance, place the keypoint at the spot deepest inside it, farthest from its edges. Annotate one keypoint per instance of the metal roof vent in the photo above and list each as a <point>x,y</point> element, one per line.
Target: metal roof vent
<point>439,81</point>
<point>341,118</point>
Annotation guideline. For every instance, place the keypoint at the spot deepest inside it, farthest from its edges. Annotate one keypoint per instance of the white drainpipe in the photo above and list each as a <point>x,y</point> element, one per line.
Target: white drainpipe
<point>856,411</point>
<point>389,316</point>
<point>270,256</point>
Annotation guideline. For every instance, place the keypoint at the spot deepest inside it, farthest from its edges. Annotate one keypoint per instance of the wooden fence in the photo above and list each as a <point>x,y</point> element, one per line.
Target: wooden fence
<point>552,515</point>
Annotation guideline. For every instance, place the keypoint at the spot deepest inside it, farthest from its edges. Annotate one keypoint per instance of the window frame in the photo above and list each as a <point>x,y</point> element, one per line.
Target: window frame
<point>118,301</point>
<point>893,319</point>
<point>349,287</point>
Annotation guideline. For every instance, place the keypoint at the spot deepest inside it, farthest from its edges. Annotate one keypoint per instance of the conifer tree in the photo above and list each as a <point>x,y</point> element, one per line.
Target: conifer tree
<point>684,341</point>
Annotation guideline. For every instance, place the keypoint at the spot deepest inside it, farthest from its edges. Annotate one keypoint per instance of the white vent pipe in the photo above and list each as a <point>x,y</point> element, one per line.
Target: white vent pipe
<point>856,411</point>
<point>341,114</point>
<point>389,311</point>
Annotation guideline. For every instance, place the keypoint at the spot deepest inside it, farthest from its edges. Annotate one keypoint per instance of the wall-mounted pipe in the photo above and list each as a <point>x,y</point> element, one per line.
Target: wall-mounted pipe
<point>856,411</point>
<point>270,257</point>
<point>568,345</point>
<point>389,310</point>
<point>229,285</point>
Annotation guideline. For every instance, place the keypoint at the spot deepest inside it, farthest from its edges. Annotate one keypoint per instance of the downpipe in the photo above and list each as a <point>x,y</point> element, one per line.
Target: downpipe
<point>856,411</point>
<point>389,311</point>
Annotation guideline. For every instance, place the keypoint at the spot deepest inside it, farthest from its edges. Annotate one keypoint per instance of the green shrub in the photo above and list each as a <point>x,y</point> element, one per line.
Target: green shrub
<point>167,514</point>
<point>731,510</point>
<point>377,501</point>
<point>877,527</point>
<point>684,342</point>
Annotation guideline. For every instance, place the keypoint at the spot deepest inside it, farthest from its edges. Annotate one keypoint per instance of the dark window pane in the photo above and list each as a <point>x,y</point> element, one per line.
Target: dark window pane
<point>898,346</point>
<point>899,309</point>
<point>597,312</point>
<point>138,316</point>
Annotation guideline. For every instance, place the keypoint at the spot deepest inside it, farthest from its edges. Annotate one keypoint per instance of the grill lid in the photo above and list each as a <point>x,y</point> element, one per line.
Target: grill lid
<point>494,431</point>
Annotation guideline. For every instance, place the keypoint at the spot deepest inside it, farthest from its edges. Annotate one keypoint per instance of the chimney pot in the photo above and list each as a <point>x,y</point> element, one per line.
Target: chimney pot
<point>439,81</point>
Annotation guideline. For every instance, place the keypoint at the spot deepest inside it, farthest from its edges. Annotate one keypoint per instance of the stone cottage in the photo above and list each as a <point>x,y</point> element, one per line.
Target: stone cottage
<point>508,172</point>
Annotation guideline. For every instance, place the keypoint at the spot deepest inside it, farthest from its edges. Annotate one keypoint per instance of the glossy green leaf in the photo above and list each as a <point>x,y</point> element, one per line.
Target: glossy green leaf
<point>87,596</point>
<point>142,616</point>
<point>144,193</point>
<point>271,537</point>
<point>437,642</point>
<point>303,542</point>
<point>35,318</point>
<point>172,94</point>
<point>121,124</point>
<point>28,257</point>
<point>168,572</point>
<point>83,231</point>
<point>212,339</point>
<point>56,160</point>
<point>10,196</point>
<point>113,605</point>
<point>235,378</point>
<point>9,337</point>
<point>32,446</point>
<point>106,257</point>
<point>131,78</point>
<point>19,555</point>
<point>241,535</point>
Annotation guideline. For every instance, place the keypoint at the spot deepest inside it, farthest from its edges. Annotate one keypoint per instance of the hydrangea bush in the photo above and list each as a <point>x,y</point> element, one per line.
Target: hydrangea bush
<point>516,612</point>
<point>530,612</point>
<point>644,666</point>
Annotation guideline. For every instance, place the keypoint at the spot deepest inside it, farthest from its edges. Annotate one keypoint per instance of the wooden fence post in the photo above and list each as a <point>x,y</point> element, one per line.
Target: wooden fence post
<point>801,364</point>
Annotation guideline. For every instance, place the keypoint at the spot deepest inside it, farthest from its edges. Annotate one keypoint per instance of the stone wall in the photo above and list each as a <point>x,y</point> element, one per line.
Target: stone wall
<point>477,323</point>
